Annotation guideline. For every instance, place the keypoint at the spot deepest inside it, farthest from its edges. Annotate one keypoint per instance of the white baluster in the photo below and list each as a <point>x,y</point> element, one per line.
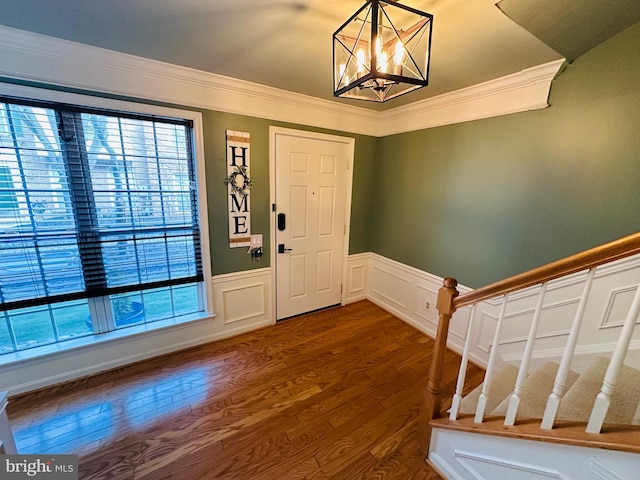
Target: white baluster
<point>553,403</point>
<point>514,403</point>
<point>457,397</point>
<point>488,376</point>
<point>601,405</point>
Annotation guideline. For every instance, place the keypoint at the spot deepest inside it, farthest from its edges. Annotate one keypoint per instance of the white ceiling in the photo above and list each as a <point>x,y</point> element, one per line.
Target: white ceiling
<point>287,43</point>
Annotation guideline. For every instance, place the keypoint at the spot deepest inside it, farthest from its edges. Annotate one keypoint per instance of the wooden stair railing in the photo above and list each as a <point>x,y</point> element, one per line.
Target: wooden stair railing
<point>449,300</point>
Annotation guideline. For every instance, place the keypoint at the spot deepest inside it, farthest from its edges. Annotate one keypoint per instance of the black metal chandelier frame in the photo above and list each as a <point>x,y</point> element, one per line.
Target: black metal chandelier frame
<point>374,78</point>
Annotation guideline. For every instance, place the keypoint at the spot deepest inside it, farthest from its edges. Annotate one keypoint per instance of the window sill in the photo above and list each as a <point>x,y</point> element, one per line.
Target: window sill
<point>70,347</point>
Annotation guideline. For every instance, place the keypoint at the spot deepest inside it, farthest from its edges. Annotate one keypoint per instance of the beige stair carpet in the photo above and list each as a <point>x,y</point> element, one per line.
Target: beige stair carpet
<point>535,392</point>
<point>578,402</point>
<point>501,385</point>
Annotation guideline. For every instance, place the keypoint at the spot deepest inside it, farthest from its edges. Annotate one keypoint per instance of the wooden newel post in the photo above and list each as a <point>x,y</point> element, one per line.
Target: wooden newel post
<point>432,394</point>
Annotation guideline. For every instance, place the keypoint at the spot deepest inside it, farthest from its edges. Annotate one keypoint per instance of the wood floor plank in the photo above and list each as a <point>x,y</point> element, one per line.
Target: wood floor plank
<point>332,394</point>
<point>365,462</point>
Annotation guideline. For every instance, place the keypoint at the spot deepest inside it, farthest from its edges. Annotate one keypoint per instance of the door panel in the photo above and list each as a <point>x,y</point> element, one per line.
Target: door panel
<point>298,275</point>
<point>326,210</point>
<point>325,262</point>
<point>311,189</point>
<point>298,212</point>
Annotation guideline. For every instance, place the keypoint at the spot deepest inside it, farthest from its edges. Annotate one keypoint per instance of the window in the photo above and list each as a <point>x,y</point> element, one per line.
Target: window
<point>98,222</point>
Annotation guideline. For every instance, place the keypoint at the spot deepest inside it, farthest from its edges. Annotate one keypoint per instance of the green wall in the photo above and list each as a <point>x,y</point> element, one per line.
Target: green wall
<point>483,200</point>
<point>225,259</point>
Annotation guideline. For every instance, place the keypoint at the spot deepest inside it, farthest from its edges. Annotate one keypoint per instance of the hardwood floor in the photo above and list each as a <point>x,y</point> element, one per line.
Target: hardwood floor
<point>332,394</point>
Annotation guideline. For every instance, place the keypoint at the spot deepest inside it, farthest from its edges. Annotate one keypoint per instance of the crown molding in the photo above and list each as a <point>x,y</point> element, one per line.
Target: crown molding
<point>518,92</point>
<point>31,57</point>
<point>38,58</point>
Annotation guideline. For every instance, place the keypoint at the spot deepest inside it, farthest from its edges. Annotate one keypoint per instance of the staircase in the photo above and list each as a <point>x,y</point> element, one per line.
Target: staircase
<point>544,410</point>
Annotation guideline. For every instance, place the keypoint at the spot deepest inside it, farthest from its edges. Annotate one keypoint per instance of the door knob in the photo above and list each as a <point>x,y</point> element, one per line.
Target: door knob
<point>281,248</point>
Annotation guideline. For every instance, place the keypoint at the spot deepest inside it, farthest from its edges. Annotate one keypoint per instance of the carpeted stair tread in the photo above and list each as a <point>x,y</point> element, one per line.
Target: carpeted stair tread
<point>535,392</point>
<point>501,386</point>
<point>578,402</point>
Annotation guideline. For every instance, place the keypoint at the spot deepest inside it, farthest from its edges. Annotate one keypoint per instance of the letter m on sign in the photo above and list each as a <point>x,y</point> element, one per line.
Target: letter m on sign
<point>238,155</point>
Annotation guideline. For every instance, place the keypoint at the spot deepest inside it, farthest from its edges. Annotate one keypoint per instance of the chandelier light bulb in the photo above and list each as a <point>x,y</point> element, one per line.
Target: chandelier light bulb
<point>383,59</point>
<point>399,54</point>
<point>360,57</point>
<point>398,58</point>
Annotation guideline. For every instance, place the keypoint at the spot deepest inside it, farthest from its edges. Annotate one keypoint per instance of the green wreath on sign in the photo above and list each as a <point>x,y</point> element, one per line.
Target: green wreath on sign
<point>239,181</point>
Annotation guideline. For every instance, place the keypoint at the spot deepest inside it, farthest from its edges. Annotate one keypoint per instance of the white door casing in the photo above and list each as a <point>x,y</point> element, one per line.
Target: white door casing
<point>311,185</point>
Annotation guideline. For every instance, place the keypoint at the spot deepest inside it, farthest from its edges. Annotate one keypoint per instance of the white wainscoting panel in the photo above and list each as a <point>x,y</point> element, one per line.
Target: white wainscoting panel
<point>244,298</point>
<point>357,287</point>
<point>473,456</point>
<point>617,306</point>
<point>390,287</point>
<point>411,294</point>
<point>244,302</point>
<point>483,466</point>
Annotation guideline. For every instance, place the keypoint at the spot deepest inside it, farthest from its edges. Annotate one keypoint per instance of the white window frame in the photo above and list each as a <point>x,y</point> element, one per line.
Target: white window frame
<point>206,290</point>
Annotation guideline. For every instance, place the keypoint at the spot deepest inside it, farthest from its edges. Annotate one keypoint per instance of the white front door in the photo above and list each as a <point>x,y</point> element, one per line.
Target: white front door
<point>311,175</point>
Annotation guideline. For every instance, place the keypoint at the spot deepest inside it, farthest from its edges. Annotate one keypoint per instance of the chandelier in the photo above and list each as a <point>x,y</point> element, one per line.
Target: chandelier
<point>382,52</point>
